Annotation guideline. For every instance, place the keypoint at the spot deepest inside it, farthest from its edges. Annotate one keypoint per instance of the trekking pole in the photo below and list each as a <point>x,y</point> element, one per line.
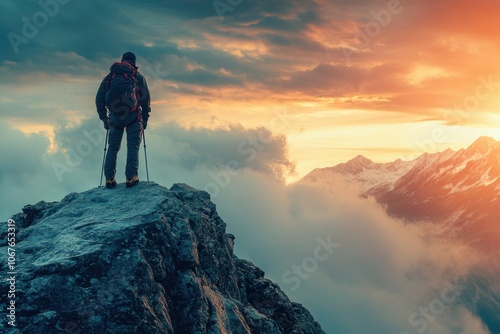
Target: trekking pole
<point>104,157</point>
<point>145,154</point>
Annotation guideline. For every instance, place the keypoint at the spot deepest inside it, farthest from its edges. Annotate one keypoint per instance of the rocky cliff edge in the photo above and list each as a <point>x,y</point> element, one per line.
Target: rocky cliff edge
<point>141,260</point>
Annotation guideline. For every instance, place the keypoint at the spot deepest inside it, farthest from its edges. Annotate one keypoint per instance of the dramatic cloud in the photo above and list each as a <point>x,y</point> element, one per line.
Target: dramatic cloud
<point>201,157</point>
<point>319,62</point>
<point>346,260</point>
<point>373,48</point>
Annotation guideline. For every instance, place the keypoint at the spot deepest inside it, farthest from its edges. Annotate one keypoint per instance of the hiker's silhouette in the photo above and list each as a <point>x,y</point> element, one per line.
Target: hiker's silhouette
<point>123,102</point>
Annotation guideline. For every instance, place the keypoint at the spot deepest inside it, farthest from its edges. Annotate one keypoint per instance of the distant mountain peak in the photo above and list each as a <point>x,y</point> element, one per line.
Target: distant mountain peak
<point>356,164</point>
<point>360,158</point>
<point>486,139</point>
<point>483,143</point>
<point>455,194</point>
<point>376,177</point>
<point>449,150</point>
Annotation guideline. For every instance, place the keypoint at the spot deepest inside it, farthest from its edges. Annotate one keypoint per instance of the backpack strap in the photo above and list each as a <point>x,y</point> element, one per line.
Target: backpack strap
<point>111,74</point>
<point>126,63</point>
<point>108,80</point>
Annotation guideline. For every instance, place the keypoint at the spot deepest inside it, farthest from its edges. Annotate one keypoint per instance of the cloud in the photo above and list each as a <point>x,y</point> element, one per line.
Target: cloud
<point>267,52</point>
<point>256,149</point>
<point>206,78</point>
<point>175,154</point>
<point>22,155</point>
<point>380,270</point>
<point>24,170</point>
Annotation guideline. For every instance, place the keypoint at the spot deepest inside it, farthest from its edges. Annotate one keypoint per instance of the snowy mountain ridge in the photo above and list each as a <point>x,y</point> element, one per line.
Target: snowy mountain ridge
<point>375,178</point>
<point>366,173</point>
<point>458,193</point>
<point>458,190</point>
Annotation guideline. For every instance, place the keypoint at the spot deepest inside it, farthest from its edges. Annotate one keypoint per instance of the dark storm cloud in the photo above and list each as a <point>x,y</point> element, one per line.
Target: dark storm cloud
<point>78,26</point>
<point>97,31</point>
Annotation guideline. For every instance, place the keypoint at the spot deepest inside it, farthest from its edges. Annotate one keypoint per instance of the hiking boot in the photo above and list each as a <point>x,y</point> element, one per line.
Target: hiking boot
<point>132,182</point>
<point>110,183</point>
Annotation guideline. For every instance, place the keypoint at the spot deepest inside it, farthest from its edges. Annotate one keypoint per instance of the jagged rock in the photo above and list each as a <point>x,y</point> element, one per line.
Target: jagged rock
<point>140,260</point>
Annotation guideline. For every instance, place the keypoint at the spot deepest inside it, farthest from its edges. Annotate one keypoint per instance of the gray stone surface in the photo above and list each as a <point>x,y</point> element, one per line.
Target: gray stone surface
<point>141,260</point>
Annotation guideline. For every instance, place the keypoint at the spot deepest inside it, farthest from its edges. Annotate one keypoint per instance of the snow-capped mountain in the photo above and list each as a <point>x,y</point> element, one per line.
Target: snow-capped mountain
<point>457,191</point>
<point>367,174</point>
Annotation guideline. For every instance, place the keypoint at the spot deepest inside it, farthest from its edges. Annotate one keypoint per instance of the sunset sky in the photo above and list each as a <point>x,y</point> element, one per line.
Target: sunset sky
<point>279,88</point>
<point>386,79</point>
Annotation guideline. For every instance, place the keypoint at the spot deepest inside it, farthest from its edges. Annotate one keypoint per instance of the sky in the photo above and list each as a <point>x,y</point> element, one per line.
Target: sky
<point>386,79</point>
<point>248,96</point>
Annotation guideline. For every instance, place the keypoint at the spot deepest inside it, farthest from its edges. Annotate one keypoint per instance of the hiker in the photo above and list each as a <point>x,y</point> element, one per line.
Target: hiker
<point>123,102</point>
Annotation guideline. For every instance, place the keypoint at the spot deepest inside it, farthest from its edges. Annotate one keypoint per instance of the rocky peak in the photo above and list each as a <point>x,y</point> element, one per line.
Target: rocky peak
<point>360,160</point>
<point>353,166</point>
<point>142,260</point>
<point>483,145</point>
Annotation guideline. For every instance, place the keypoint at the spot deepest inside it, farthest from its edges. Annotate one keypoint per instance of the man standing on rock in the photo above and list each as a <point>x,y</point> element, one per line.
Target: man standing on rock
<point>123,102</point>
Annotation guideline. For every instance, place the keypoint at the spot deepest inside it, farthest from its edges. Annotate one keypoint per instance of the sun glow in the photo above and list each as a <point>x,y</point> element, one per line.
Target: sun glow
<point>422,73</point>
<point>40,129</point>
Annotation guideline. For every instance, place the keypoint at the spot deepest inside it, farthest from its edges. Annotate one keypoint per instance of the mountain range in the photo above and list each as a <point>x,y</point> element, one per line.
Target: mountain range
<point>457,192</point>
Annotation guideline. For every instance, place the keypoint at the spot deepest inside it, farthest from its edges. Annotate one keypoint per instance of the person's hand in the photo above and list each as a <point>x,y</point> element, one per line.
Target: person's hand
<point>144,124</point>
<point>106,123</point>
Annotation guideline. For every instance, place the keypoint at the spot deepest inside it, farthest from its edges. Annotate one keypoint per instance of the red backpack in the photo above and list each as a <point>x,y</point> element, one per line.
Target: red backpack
<point>122,96</point>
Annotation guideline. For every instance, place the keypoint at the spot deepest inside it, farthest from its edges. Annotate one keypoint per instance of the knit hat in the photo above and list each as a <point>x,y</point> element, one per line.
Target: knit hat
<point>130,56</point>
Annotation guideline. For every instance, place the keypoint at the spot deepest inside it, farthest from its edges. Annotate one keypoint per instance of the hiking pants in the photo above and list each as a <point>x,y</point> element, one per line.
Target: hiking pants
<point>134,137</point>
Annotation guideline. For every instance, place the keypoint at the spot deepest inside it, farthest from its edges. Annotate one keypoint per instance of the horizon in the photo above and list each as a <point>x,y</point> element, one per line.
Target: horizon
<point>406,159</point>
<point>387,79</point>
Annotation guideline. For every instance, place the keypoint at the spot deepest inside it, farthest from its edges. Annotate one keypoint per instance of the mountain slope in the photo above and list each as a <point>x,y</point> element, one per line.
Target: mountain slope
<point>367,174</point>
<point>140,260</point>
<point>458,192</point>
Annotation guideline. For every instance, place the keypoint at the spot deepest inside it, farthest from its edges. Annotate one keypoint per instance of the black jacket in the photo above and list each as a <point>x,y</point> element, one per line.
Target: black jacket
<point>144,102</point>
